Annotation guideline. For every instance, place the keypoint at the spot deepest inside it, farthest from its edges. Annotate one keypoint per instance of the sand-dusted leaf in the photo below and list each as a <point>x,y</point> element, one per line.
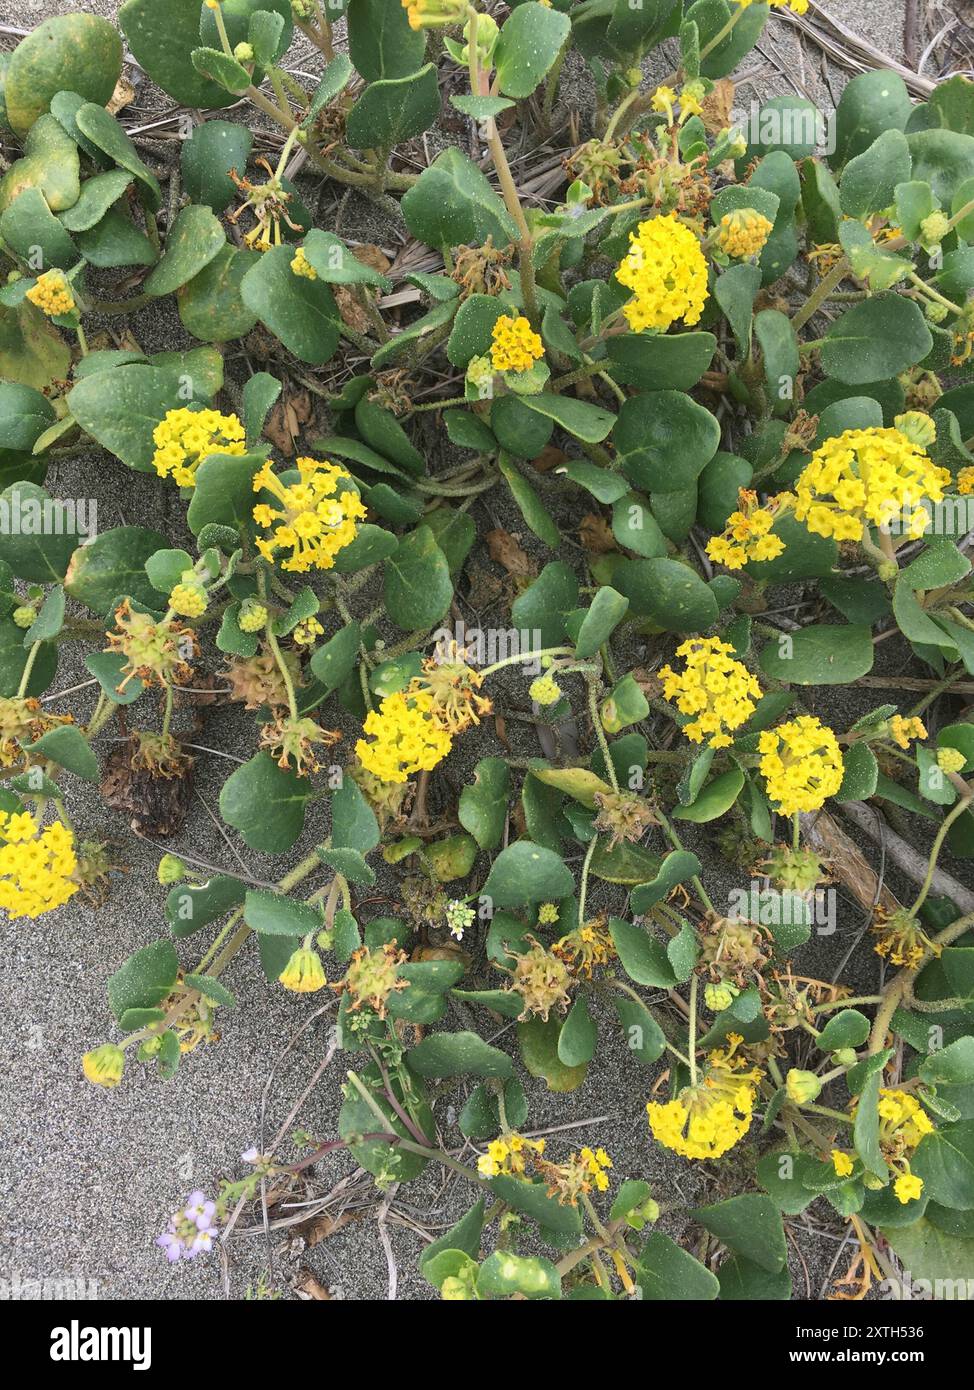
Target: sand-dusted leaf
<point>266,804</point>
<point>75,52</point>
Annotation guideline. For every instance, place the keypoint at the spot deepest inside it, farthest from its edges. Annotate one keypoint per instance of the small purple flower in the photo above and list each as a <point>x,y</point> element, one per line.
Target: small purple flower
<point>250,1155</point>
<point>172,1245</point>
<point>200,1211</point>
<point>202,1244</point>
<point>190,1231</point>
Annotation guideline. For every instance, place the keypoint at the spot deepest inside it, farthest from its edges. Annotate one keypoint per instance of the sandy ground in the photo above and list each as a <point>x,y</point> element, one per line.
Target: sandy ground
<point>89,1175</point>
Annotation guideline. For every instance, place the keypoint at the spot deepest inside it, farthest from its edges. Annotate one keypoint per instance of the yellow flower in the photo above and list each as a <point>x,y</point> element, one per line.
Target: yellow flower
<point>796,6</point>
<point>715,688</point>
<point>52,294</point>
<point>579,1174</point>
<point>545,690</point>
<point>708,1119</point>
<point>454,688</point>
<point>901,939</point>
<point>548,914</point>
<point>425,14</point>
<point>663,100</point>
<point>252,616</point>
<point>301,266</point>
<point>965,482</point>
<point>104,1065</point>
<point>316,516</point>
<point>950,759</point>
<point>747,533</point>
<point>667,273</point>
<point>690,105</point>
<point>903,731</point>
<point>908,1187</point>
<point>801,764</point>
<point>867,477</point>
<point>188,599</point>
<point>304,972</point>
<point>508,1154</point>
<point>902,1124</point>
<point>515,347</point>
<point>842,1163</point>
<point>186,437</point>
<point>743,233</point>
<point>305,633</point>
<point>406,737</point>
<point>585,948</point>
<point>36,866</point>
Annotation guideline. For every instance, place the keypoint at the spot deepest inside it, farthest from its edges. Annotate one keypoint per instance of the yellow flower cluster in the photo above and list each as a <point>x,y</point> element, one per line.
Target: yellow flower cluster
<point>743,233</point>
<point>901,939</point>
<point>747,534</point>
<point>801,764</point>
<point>708,1119</point>
<point>965,482</point>
<point>454,688</point>
<point>950,759</point>
<point>302,267</point>
<point>406,737</point>
<point>585,947</point>
<point>515,346</point>
<point>716,688</point>
<point>315,519</point>
<point>52,294</point>
<point>304,972</point>
<point>508,1155</point>
<point>424,14</point>
<point>904,731</point>
<point>577,1176</point>
<point>667,273</point>
<point>867,477</point>
<point>595,1163</point>
<point>35,865</point>
<point>188,599</point>
<point>186,437</point>
<point>902,1124</point>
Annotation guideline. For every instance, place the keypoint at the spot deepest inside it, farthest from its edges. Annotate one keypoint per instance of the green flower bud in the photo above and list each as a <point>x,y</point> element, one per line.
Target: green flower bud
<point>802,1086</point>
<point>24,616</point>
<point>252,616</point>
<point>934,228</point>
<point>171,869</point>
